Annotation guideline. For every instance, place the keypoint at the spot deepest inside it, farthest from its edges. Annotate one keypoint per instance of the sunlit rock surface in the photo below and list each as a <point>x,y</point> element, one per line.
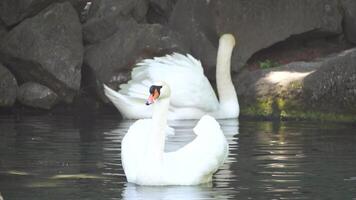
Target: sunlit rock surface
<point>324,88</point>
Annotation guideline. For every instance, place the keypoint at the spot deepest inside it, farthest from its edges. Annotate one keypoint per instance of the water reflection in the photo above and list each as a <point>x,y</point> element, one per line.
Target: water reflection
<point>63,157</point>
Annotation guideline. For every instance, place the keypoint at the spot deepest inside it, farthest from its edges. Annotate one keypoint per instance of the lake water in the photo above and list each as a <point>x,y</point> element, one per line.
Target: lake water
<point>51,157</point>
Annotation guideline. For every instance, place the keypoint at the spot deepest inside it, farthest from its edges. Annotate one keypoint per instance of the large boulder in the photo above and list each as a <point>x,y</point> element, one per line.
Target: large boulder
<point>159,11</point>
<point>133,42</point>
<point>37,95</point>
<point>257,24</point>
<point>47,49</point>
<point>3,30</point>
<point>333,86</point>
<point>324,89</point>
<point>194,20</point>
<point>8,87</point>
<point>104,17</point>
<point>349,8</point>
<point>14,11</point>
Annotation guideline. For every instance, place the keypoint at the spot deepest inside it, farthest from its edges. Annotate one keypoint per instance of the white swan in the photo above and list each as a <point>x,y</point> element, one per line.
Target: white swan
<point>142,149</point>
<point>192,94</point>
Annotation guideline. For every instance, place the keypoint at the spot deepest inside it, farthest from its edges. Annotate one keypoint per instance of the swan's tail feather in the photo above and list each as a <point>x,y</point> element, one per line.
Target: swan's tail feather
<point>207,125</point>
<point>114,96</point>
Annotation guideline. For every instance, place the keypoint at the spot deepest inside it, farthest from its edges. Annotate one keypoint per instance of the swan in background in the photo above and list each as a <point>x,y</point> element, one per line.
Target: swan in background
<point>142,150</point>
<point>192,94</point>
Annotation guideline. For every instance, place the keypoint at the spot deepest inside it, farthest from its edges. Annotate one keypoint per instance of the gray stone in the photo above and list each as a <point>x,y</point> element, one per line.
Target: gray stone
<point>37,96</point>
<point>349,8</point>
<point>256,24</point>
<point>159,11</point>
<point>47,49</point>
<point>3,30</point>
<point>299,89</point>
<point>133,42</point>
<point>14,11</point>
<point>333,85</point>
<point>8,87</point>
<point>193,20</point>
<point>271,83</point>
<point>105,16</point>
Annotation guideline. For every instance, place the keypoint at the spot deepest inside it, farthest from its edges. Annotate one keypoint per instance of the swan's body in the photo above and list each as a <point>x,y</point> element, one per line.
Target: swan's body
<point>185,76</point>
<point>145,162</point>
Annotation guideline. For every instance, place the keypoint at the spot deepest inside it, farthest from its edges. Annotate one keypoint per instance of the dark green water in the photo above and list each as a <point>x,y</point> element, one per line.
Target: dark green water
<point>62,157</point>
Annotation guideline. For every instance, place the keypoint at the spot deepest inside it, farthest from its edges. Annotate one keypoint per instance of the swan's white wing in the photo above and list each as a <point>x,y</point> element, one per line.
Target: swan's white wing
<point>201,157</point>
<point>185,76</point>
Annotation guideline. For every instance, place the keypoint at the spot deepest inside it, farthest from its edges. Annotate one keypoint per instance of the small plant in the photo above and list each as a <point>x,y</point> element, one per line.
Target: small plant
<point>268,64</point>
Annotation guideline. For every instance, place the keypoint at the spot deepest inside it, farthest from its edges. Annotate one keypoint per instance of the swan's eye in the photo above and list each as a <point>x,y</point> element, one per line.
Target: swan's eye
<point>154,88</point>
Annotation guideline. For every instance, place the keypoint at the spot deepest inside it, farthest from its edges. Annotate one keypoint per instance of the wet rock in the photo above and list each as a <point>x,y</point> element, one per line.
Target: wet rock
<point>37,95</point>
<point>105,16</point>
<point>256,24</point>
<point>333,85</point>
<point>349,7</point>
<point>47,49</point>
<point>133,42</point>
<point>8,87</point>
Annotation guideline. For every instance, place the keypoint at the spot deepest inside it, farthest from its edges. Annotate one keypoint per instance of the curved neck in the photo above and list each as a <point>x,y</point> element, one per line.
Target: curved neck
<point>226,90</point>
<point>156,139</point>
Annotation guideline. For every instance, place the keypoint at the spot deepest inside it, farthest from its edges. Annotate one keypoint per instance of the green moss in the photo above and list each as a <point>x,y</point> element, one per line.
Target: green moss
<point>289,109</point>
<point>266,64</point>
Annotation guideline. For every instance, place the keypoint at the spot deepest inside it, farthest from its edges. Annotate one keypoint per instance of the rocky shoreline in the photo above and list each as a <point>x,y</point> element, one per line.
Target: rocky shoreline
<point>55,54</point>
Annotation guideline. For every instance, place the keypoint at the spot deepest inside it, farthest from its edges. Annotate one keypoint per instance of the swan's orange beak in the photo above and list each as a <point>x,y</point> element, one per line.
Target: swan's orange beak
<point>153,97</point>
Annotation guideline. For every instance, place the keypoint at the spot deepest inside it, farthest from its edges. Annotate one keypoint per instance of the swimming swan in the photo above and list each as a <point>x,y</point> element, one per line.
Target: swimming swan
<point>142,150</point>
<point>192,94</point>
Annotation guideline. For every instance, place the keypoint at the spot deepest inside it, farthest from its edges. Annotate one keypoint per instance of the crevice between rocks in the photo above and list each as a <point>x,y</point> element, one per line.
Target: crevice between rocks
<point>303,47</point>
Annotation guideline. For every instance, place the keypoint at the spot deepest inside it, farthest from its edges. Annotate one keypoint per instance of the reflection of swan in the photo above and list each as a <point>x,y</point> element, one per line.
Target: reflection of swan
<point>192,94</point>
<point>134,192</point>
<point>142,152</point>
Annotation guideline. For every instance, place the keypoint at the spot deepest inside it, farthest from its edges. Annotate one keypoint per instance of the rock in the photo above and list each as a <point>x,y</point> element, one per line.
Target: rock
<point>3,30</point>
<point>193,19</point>
<point>117,54</point>
<point>14,11</point>
<point>333,86</point>
<point>259,24</point>
<point>159,11</point>
<point>256,24</point>
<point>324,89</point>
<point>37,96</point>
<point>105,15</point>
<point>8,87</point>
<point>349,7</point>
<point>47,49</point>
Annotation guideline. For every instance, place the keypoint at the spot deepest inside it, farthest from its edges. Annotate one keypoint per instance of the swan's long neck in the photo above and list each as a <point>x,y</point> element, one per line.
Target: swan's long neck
<point>227,95</point>
<point>159,123</point>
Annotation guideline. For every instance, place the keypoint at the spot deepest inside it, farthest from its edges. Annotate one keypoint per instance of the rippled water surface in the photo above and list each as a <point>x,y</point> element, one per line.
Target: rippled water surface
<point>64,157</point>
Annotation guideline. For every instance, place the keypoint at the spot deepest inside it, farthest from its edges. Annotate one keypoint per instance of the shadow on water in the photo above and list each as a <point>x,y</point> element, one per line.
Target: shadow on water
<point>63,157</point>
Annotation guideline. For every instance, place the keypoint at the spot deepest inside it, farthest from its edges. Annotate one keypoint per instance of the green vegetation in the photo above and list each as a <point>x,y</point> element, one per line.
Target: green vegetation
<point>287,109</point>
<point>268,64</point>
